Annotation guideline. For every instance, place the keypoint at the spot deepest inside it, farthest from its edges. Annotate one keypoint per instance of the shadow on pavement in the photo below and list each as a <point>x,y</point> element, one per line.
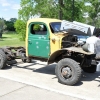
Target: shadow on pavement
<point>91,77</point>
<point>50,69</point>
<point>46,69</point>
<point>24,67</point>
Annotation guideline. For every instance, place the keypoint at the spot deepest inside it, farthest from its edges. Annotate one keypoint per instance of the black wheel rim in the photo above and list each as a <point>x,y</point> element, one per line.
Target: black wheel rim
<point>66,72</point>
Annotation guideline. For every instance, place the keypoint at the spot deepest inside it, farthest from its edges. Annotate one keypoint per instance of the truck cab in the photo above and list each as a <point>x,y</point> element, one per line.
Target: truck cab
<point>43,37</point>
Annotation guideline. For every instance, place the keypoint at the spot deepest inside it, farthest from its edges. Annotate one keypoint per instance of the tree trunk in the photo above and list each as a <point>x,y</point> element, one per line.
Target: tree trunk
<point>0,34</point>
<point>60,10</point>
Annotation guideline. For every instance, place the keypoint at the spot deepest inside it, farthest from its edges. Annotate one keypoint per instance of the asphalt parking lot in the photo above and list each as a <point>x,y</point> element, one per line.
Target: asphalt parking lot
<point>31,81</point>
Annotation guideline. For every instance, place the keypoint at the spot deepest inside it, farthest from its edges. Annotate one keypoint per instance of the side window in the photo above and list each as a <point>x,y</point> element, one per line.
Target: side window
<point>38,29</point>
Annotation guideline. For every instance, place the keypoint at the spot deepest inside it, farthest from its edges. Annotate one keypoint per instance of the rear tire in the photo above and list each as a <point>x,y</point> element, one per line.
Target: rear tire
<point>3,59</point>
<point>68,71</point>
<point>91,69</point>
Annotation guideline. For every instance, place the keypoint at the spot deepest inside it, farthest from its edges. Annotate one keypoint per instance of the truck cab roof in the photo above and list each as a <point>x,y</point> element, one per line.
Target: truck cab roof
<point>45,20</point>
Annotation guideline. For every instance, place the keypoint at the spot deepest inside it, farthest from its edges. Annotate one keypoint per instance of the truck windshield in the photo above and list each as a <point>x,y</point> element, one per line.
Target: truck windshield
<point>55,26</point>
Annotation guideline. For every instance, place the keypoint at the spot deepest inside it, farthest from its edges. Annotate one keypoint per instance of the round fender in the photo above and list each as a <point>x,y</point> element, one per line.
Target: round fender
<point>54,55</point>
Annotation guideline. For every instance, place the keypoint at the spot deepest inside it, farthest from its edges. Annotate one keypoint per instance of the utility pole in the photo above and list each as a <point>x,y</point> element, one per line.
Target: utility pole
<point>73,10</point>
<point>60,9</point>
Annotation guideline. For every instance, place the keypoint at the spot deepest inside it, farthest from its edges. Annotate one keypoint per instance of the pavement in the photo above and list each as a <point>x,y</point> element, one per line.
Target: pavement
<point>11,90</point>
<point>37,81</point>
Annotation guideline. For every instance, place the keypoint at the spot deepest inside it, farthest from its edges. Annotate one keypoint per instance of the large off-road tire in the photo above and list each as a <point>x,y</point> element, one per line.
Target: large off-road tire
<point>68,71</point>
<point>91,69</point>
<point>3,59</point>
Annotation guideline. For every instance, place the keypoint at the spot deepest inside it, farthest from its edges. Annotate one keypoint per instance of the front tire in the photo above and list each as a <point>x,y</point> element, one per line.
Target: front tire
<point>3,59</point>
<point>68,71</point>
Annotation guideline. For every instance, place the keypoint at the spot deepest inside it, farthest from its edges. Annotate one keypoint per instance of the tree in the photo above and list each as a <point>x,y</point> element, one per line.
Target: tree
<point>10,24</point>
<point>13,20</point>
<point>47,8</point>
<point>2,26</point>
<point>27,9</point>
<point>94,12</point>
<point>73,10</point>
<point>51,9</point>
<point>20,28</point>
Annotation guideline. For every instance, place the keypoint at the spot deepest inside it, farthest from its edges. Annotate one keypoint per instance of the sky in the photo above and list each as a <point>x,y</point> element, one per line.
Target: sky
<point>9,9</point>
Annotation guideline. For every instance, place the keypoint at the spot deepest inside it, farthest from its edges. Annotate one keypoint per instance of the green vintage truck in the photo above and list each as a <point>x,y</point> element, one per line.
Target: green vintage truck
<point>45,41</point>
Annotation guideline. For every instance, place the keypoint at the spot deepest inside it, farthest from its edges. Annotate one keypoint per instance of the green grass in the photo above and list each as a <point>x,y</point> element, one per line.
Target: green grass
<point>11,39</point>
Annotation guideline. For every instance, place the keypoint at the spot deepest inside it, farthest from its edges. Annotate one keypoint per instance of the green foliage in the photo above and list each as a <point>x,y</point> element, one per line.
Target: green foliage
<point>20,27</point>
<point>10,26</point>
<point>68,12</point>
<point>7,24</point>
<point>27,9</point>
<point>47,8</point>
<point>37,27</point>
<point>94,12</point>
<point>13,20</point>
<point>51,9</point>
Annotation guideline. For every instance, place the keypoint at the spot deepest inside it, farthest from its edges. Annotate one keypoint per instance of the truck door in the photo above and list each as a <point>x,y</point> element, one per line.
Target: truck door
<point>38,40</point>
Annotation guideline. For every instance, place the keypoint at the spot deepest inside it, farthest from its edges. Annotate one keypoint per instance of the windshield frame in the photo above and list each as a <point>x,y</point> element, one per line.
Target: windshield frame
<point>55,27</point>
